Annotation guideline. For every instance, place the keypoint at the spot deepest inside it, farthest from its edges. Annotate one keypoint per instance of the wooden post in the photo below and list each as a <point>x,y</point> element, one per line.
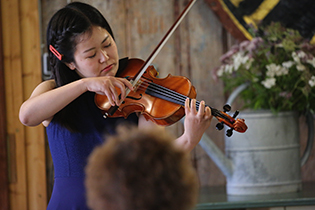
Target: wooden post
<point>32,75</point>
<point>22,69</point>
<point>4,182</point>
<point>13,92</point>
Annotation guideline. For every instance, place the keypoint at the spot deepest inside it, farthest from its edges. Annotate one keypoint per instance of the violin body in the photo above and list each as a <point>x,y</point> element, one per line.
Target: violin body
<point>156,109</point>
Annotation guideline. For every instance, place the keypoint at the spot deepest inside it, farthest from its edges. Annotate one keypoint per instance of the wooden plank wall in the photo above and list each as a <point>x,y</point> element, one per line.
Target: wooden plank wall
<point>4,180</point>
<point>193,51</point>
<point>31,76</point>
<point>22,70</point>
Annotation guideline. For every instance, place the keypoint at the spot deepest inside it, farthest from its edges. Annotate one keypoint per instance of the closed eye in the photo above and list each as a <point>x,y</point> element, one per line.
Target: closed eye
<point>92,56</point>
<point>110,44</point>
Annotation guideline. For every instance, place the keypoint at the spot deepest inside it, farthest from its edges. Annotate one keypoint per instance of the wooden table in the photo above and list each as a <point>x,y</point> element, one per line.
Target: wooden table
<point>216,198</point>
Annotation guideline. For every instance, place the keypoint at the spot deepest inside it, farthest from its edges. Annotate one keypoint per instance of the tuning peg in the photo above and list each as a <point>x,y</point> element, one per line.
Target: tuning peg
<point>220,126</point>
<point>236,113</point>
<point>226,108</point>
<point>229,132</point>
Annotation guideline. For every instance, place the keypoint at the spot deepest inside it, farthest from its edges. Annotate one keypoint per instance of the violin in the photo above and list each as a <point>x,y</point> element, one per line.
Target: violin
<point>161,100</point>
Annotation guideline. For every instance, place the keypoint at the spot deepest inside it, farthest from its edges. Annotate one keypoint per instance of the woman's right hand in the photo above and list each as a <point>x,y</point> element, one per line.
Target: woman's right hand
<point>108,85</point>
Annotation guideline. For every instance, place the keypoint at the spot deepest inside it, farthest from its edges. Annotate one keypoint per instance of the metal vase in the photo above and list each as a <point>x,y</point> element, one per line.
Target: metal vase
<point>266,158</point>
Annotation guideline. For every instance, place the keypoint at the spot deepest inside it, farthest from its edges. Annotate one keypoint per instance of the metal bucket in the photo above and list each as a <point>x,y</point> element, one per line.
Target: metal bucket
<point>266,158</point>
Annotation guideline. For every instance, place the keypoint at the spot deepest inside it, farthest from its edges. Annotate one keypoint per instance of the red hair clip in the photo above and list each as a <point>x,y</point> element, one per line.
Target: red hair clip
<point>55,52</point>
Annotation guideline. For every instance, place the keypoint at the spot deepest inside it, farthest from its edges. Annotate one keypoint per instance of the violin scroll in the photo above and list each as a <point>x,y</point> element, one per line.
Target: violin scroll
<point>225,119</point>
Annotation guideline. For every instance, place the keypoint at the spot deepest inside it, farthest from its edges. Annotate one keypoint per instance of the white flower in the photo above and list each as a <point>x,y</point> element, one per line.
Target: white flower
<point>288,64</point>
<point>228,69</point>
<point>220,71</point>
<point>276,70</point>
<point>296,57</point>
<point>312,81</point>
<point>237,60</point>
<point>248,64</point>
<point>311,61</point>
<point>244,59</point>
<point>301,54</point>
<point>300,67</point>
<point>269,82</point>
<point>271,70</point>
<point>282,71</point>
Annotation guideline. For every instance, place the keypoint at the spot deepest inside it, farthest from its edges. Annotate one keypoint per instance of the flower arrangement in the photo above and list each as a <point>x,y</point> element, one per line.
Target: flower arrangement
<point>279,66</point>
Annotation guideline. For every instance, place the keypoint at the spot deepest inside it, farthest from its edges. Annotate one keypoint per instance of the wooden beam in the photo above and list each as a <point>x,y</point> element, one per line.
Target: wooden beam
<point>13,91</point>
<point>31,77</point>
<point>4,181</point>
<point>22,70</point>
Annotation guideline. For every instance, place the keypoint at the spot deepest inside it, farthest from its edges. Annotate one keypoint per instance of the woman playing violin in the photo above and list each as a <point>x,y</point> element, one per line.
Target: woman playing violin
<point>84,61</point>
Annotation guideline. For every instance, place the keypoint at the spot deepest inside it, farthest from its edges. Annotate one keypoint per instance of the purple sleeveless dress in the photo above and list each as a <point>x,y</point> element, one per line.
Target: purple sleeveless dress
<point>70,151</point>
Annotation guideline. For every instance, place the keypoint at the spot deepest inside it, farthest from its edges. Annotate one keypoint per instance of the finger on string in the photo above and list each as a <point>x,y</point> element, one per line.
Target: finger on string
<point>208,114</point>
<point>201,110</point>
<point>187,109</point>
<point>193,105</point>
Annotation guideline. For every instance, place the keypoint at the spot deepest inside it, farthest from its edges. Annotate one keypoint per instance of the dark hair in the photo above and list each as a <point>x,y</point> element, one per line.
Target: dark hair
<point>140,169</point>
<point>63,29</point>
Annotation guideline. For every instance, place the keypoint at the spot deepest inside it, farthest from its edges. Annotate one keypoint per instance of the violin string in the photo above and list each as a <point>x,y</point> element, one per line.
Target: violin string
<point>167,93</point>
<point>175,96</point>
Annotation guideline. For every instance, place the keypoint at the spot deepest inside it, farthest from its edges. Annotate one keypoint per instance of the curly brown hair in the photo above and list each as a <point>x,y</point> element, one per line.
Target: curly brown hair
<point>140,170</point>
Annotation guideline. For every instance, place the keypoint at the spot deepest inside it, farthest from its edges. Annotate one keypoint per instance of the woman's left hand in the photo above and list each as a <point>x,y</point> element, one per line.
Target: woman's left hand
<point>196,123</point>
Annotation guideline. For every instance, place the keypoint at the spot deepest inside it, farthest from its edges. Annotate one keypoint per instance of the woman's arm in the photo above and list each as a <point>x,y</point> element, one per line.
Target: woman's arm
<point>46,100</point>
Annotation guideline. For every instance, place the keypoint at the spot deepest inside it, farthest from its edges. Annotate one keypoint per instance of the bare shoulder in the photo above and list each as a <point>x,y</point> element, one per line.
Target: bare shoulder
<point>44,87</point>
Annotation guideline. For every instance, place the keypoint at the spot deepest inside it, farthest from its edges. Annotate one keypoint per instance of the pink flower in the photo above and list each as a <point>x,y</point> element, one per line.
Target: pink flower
<point>244,44</point>
<point>227,56</point>
<point>254,44</point>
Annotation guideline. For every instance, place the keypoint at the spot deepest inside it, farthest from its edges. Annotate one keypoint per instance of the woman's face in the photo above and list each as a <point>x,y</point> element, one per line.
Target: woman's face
<point>96,54</point>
